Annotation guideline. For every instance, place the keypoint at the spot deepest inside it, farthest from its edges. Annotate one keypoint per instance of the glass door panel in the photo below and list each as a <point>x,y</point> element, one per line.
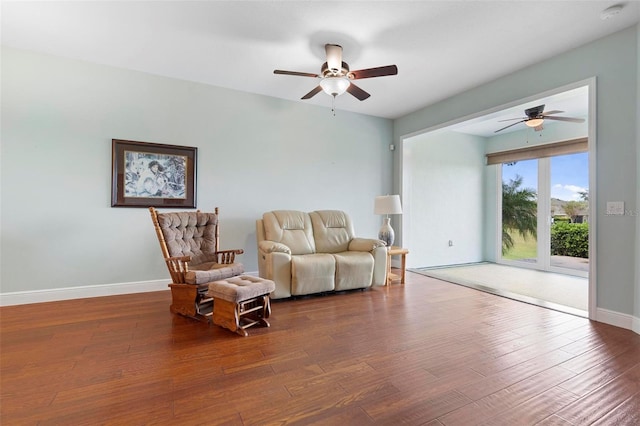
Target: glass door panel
<point>569,232</point>
<point>519,211</point>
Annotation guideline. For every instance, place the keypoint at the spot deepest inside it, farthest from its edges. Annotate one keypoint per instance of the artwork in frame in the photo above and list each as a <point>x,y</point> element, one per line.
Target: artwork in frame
<point>148,174</point>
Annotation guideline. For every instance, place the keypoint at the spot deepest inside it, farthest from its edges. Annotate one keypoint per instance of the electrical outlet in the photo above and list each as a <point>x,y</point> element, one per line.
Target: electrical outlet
<point>615,208</point>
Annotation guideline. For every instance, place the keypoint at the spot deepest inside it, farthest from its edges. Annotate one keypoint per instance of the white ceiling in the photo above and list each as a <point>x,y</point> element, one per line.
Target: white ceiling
<point>441,48</point>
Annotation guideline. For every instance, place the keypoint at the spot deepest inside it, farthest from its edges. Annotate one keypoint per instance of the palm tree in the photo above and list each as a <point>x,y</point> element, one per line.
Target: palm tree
<point>519,211</point>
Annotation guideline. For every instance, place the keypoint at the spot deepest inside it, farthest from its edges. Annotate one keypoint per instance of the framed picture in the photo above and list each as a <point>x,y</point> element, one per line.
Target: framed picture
<point>153,175</point>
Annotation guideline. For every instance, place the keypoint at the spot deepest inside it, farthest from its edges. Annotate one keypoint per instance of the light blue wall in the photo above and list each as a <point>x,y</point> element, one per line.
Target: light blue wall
<point>613,60</point>
<point>255,153</point>
<point>443,199</point>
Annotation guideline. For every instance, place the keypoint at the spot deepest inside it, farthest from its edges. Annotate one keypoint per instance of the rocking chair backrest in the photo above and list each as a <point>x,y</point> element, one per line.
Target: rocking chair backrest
<point>193,234</point>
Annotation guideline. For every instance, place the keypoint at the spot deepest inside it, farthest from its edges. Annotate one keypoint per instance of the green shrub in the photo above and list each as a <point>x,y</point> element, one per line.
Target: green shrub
<point>570,239</point>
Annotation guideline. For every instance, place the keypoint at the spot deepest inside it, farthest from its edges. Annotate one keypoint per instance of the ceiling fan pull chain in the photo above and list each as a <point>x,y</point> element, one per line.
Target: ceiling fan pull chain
<point>333,105</point>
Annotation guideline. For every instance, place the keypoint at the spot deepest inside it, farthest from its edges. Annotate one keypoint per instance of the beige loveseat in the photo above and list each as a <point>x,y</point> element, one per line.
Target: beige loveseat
<point>316,252</point>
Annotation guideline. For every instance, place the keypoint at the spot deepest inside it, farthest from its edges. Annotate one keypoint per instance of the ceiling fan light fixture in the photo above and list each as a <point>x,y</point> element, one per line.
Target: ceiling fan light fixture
<point>335,86</point>
<point>534,122</point>
<point>334,57</point>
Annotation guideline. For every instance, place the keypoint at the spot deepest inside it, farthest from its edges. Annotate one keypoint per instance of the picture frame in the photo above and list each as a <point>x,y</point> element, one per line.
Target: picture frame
<point>146,174</point>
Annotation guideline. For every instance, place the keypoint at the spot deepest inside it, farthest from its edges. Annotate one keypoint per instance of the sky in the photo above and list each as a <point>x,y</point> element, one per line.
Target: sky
<point>569,175</point>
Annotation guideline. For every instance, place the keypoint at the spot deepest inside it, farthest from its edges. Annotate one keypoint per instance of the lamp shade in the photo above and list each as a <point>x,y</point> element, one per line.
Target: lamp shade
<point>534,122</point>
<point>387,204</point>
<point>335,86</point>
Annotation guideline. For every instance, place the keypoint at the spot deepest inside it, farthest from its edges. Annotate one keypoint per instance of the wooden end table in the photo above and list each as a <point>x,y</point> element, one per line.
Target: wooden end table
<point>396,251</point>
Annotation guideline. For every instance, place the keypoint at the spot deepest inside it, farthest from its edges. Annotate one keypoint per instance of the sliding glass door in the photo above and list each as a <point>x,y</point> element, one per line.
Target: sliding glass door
<point>544,221</point>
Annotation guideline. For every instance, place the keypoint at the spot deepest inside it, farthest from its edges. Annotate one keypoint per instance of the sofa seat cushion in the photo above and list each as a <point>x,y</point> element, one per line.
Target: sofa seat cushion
<point>312,273</point>
<point>208,272</point>
<point>354,269</point>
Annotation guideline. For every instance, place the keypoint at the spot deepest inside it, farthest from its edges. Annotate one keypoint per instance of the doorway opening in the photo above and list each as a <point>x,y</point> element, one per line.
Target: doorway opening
<point>453,186</point>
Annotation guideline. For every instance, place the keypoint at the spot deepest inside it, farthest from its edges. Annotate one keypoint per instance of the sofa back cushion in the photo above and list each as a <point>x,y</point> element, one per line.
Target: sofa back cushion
<point>332,230</point>
<point>291,228</point>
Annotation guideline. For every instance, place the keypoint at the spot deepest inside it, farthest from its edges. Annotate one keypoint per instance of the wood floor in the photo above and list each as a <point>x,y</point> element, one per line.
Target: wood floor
<point>426,353</point>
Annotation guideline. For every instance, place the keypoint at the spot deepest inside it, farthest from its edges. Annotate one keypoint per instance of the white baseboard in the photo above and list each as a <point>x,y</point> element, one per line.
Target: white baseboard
<point>67,293</point>
<point>619,320</point>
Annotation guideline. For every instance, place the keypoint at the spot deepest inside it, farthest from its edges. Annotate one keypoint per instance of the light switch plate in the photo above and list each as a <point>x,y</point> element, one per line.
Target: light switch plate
<point>615,208</point>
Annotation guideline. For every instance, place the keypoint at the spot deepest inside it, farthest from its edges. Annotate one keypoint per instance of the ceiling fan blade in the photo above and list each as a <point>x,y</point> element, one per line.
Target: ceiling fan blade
<point>300,74</point>
<point>511,119</point>
<point>334,57</point>
<point>374,72</point>
<point>569,119</point>
<point>499,130</point>
<point>357,92</point>
<point>312,93</point>
<point>555,111</point>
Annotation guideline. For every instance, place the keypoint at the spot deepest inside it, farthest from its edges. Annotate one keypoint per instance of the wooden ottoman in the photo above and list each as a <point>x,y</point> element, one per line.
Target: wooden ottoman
<point>241,302</point>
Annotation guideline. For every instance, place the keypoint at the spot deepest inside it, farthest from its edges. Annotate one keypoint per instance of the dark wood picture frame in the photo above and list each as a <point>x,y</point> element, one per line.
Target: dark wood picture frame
<point>148,174</point>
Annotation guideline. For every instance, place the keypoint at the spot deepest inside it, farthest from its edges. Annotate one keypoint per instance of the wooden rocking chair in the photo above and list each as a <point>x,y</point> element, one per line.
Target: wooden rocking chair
<point>190,245</point>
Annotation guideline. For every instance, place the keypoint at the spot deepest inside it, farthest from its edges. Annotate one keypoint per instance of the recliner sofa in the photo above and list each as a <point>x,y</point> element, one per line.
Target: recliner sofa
<point>316,252</point>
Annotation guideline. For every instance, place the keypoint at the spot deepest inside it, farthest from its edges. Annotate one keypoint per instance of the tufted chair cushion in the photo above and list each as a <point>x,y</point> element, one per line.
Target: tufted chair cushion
<point>190,234</point>
<point>194,234</point>
<point>208,272</point>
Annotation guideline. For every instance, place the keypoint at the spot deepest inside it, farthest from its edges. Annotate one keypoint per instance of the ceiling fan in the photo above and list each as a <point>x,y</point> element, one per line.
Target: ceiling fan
<point>336,76</point>
<point>535,117</point>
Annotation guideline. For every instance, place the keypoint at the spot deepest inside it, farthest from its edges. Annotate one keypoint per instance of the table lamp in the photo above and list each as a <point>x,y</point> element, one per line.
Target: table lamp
<point>386,205</point>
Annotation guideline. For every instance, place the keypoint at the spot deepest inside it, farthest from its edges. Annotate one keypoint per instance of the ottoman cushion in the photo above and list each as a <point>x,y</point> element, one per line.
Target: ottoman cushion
<point>240,288</point>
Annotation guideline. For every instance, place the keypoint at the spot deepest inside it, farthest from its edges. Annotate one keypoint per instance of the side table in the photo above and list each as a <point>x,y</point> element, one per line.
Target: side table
<point>396,251</point>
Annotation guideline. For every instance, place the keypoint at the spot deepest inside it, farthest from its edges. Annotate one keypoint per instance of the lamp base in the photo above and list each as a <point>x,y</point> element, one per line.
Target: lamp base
<point>386,233</point>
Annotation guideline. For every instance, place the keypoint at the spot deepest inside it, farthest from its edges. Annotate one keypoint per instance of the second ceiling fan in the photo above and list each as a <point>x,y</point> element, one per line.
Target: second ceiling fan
<point>535,117</point>
<point>337,77</point>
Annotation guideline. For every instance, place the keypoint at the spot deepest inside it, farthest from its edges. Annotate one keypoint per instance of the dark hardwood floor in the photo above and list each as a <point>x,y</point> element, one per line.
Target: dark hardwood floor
<point>426,353</point>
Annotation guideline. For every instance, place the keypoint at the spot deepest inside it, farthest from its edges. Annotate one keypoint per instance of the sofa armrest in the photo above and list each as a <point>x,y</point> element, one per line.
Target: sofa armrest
<point>274,263</point>
<point>365,244</point>
<point>272,247</point>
